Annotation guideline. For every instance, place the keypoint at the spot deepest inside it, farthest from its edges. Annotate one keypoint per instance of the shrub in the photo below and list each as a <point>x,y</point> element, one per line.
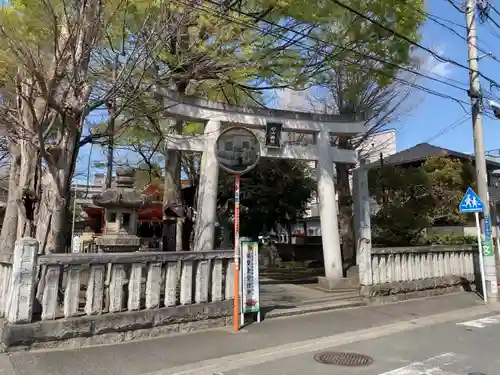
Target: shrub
<point>448,239</point>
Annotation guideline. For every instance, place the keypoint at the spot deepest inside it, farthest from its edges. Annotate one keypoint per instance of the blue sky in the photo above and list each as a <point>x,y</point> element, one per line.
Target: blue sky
<point>431,114</point>
<point>434,113</point>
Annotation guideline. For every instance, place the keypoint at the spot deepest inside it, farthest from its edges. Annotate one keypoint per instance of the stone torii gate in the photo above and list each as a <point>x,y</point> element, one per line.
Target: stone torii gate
<point>322,127</point>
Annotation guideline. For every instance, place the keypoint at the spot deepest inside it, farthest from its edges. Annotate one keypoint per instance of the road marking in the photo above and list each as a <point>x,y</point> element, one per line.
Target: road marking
<point>482,323</point>
<point>257,357</point>
<point>431,366</point>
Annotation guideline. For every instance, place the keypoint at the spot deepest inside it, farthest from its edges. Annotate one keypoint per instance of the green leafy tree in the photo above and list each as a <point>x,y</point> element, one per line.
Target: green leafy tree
<point>275,192</point>
<point>403,197</point>
<point>449,179</point>
<point>411,199</point>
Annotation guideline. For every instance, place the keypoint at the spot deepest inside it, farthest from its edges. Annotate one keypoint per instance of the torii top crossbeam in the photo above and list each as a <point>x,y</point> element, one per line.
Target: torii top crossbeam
<point>190,108</point>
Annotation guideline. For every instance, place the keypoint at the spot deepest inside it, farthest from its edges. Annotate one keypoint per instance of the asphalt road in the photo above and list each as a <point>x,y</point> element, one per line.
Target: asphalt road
<point>395,336</point>
<point>444,349</point>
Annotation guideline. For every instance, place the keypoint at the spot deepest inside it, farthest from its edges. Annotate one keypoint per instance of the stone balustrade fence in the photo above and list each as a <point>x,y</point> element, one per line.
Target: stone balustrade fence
<point>123,291</point>
<point>404,269</point>
<point>5,275</point>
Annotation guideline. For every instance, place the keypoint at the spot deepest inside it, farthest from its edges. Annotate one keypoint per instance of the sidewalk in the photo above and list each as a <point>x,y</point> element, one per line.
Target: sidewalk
<point>150,356</point>
<point>279,298</point>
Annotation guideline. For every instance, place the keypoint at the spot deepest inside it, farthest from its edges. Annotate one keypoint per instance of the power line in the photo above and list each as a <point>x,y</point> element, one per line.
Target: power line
<point>412,42</point>
<point>433,18</point>
<point>310,49</point>
<point>456,6</point>
<point>448,128</point>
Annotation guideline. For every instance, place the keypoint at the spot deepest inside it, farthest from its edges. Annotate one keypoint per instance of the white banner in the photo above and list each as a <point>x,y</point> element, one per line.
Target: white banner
<point>250,277</point>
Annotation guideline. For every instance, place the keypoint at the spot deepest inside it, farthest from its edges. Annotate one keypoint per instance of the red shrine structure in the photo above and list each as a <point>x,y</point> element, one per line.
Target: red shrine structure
<point>150,218</point>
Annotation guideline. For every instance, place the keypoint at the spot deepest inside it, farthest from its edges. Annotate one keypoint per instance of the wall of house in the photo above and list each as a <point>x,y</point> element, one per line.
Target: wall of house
<point>381,142</point>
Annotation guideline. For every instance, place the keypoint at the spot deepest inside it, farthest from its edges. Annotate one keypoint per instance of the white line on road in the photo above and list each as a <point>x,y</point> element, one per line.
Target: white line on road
<point>256,357</point>
<point>481,323</point>
<point>431,366</point>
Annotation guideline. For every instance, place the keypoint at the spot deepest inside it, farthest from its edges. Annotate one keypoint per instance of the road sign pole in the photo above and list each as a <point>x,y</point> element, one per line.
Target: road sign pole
<point>481,262</point>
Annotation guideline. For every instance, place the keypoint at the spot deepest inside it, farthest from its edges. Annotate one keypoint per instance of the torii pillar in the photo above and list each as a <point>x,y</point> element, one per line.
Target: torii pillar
<point>206,201</point>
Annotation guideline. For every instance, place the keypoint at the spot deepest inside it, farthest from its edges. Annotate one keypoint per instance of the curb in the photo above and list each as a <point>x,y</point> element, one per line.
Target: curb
<point>301,310</point>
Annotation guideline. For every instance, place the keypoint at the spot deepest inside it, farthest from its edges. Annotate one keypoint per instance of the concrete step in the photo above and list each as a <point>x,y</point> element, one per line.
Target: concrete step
<point>349,283</point>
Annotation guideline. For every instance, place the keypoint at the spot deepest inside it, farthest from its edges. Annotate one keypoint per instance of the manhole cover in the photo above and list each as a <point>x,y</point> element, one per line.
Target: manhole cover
<point>343,359</point>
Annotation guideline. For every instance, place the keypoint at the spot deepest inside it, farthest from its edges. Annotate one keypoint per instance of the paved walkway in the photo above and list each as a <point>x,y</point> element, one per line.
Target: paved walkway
<point>281,299</point>
<point>206,353</point>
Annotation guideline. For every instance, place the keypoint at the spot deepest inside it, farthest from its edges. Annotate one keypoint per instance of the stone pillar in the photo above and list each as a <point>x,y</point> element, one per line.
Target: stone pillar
<point>362,224</point>
<point>328,210</point>
<point>21,293</point>
<point>207,191</point>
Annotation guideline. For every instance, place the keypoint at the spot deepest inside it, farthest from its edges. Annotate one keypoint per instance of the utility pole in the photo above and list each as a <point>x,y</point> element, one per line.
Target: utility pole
<point>481,171</point>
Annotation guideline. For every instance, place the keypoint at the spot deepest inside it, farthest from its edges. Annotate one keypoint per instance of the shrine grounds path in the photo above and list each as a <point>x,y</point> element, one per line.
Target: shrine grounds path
<point>422,333</point>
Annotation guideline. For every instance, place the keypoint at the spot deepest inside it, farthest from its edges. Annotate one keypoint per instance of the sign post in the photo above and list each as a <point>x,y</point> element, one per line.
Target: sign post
<point>250,294</point>
<point>471,203</point>
<point>237,150</point>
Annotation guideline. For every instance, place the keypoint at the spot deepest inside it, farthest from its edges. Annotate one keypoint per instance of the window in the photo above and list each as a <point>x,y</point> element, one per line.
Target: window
<point>112,217</point>
<point>229,146</point>
<point>246,144</point>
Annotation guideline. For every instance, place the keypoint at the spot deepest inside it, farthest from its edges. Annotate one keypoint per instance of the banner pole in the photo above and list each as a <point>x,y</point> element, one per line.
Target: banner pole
<point>236,306</point>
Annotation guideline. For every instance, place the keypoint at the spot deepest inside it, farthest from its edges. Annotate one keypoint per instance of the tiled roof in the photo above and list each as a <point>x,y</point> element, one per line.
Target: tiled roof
<point>422,151</point>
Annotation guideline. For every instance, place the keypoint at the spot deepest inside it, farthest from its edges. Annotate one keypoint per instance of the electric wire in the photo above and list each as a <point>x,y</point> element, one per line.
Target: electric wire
<point>312,49</point>
<point>447,129</point>
<point>422,88</point>
<point>454,124</point>
<point>412,42</point>
<point>437,20</point>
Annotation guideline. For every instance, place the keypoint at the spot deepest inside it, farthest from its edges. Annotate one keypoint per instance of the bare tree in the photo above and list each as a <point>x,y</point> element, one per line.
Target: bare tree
<point>62,74</point>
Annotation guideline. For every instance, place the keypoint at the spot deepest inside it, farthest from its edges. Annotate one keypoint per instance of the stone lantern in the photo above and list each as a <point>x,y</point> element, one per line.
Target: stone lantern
<point>121,210</point>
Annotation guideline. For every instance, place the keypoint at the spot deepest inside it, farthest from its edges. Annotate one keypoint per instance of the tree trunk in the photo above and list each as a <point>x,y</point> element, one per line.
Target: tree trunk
<point>172,202</point>
<point>51,217</point>
<point>55,191</point>
<point>9,226</point>
<point>27,192</point>
<point>345,214</point>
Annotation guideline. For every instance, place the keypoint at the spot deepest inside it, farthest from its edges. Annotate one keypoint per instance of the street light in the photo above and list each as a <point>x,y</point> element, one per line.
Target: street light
<point>496,108</point>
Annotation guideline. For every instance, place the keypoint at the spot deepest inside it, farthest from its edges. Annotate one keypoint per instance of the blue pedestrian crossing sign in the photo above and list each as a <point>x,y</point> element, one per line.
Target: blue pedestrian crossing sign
<point>471,202</point>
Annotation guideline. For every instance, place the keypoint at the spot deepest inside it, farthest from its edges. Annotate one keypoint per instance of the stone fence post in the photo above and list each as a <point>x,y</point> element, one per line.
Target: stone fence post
<point>23,282</point>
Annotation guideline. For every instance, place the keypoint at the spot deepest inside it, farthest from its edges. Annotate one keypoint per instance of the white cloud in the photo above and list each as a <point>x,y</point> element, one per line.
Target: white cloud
<point>313,99</point>
<point>436,67</point>
<point>293,100</point>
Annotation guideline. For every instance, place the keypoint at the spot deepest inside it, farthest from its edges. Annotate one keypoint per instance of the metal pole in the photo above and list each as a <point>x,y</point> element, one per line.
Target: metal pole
<point>481,171</point>
<point>481,260</point>
<point>236,306</point>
